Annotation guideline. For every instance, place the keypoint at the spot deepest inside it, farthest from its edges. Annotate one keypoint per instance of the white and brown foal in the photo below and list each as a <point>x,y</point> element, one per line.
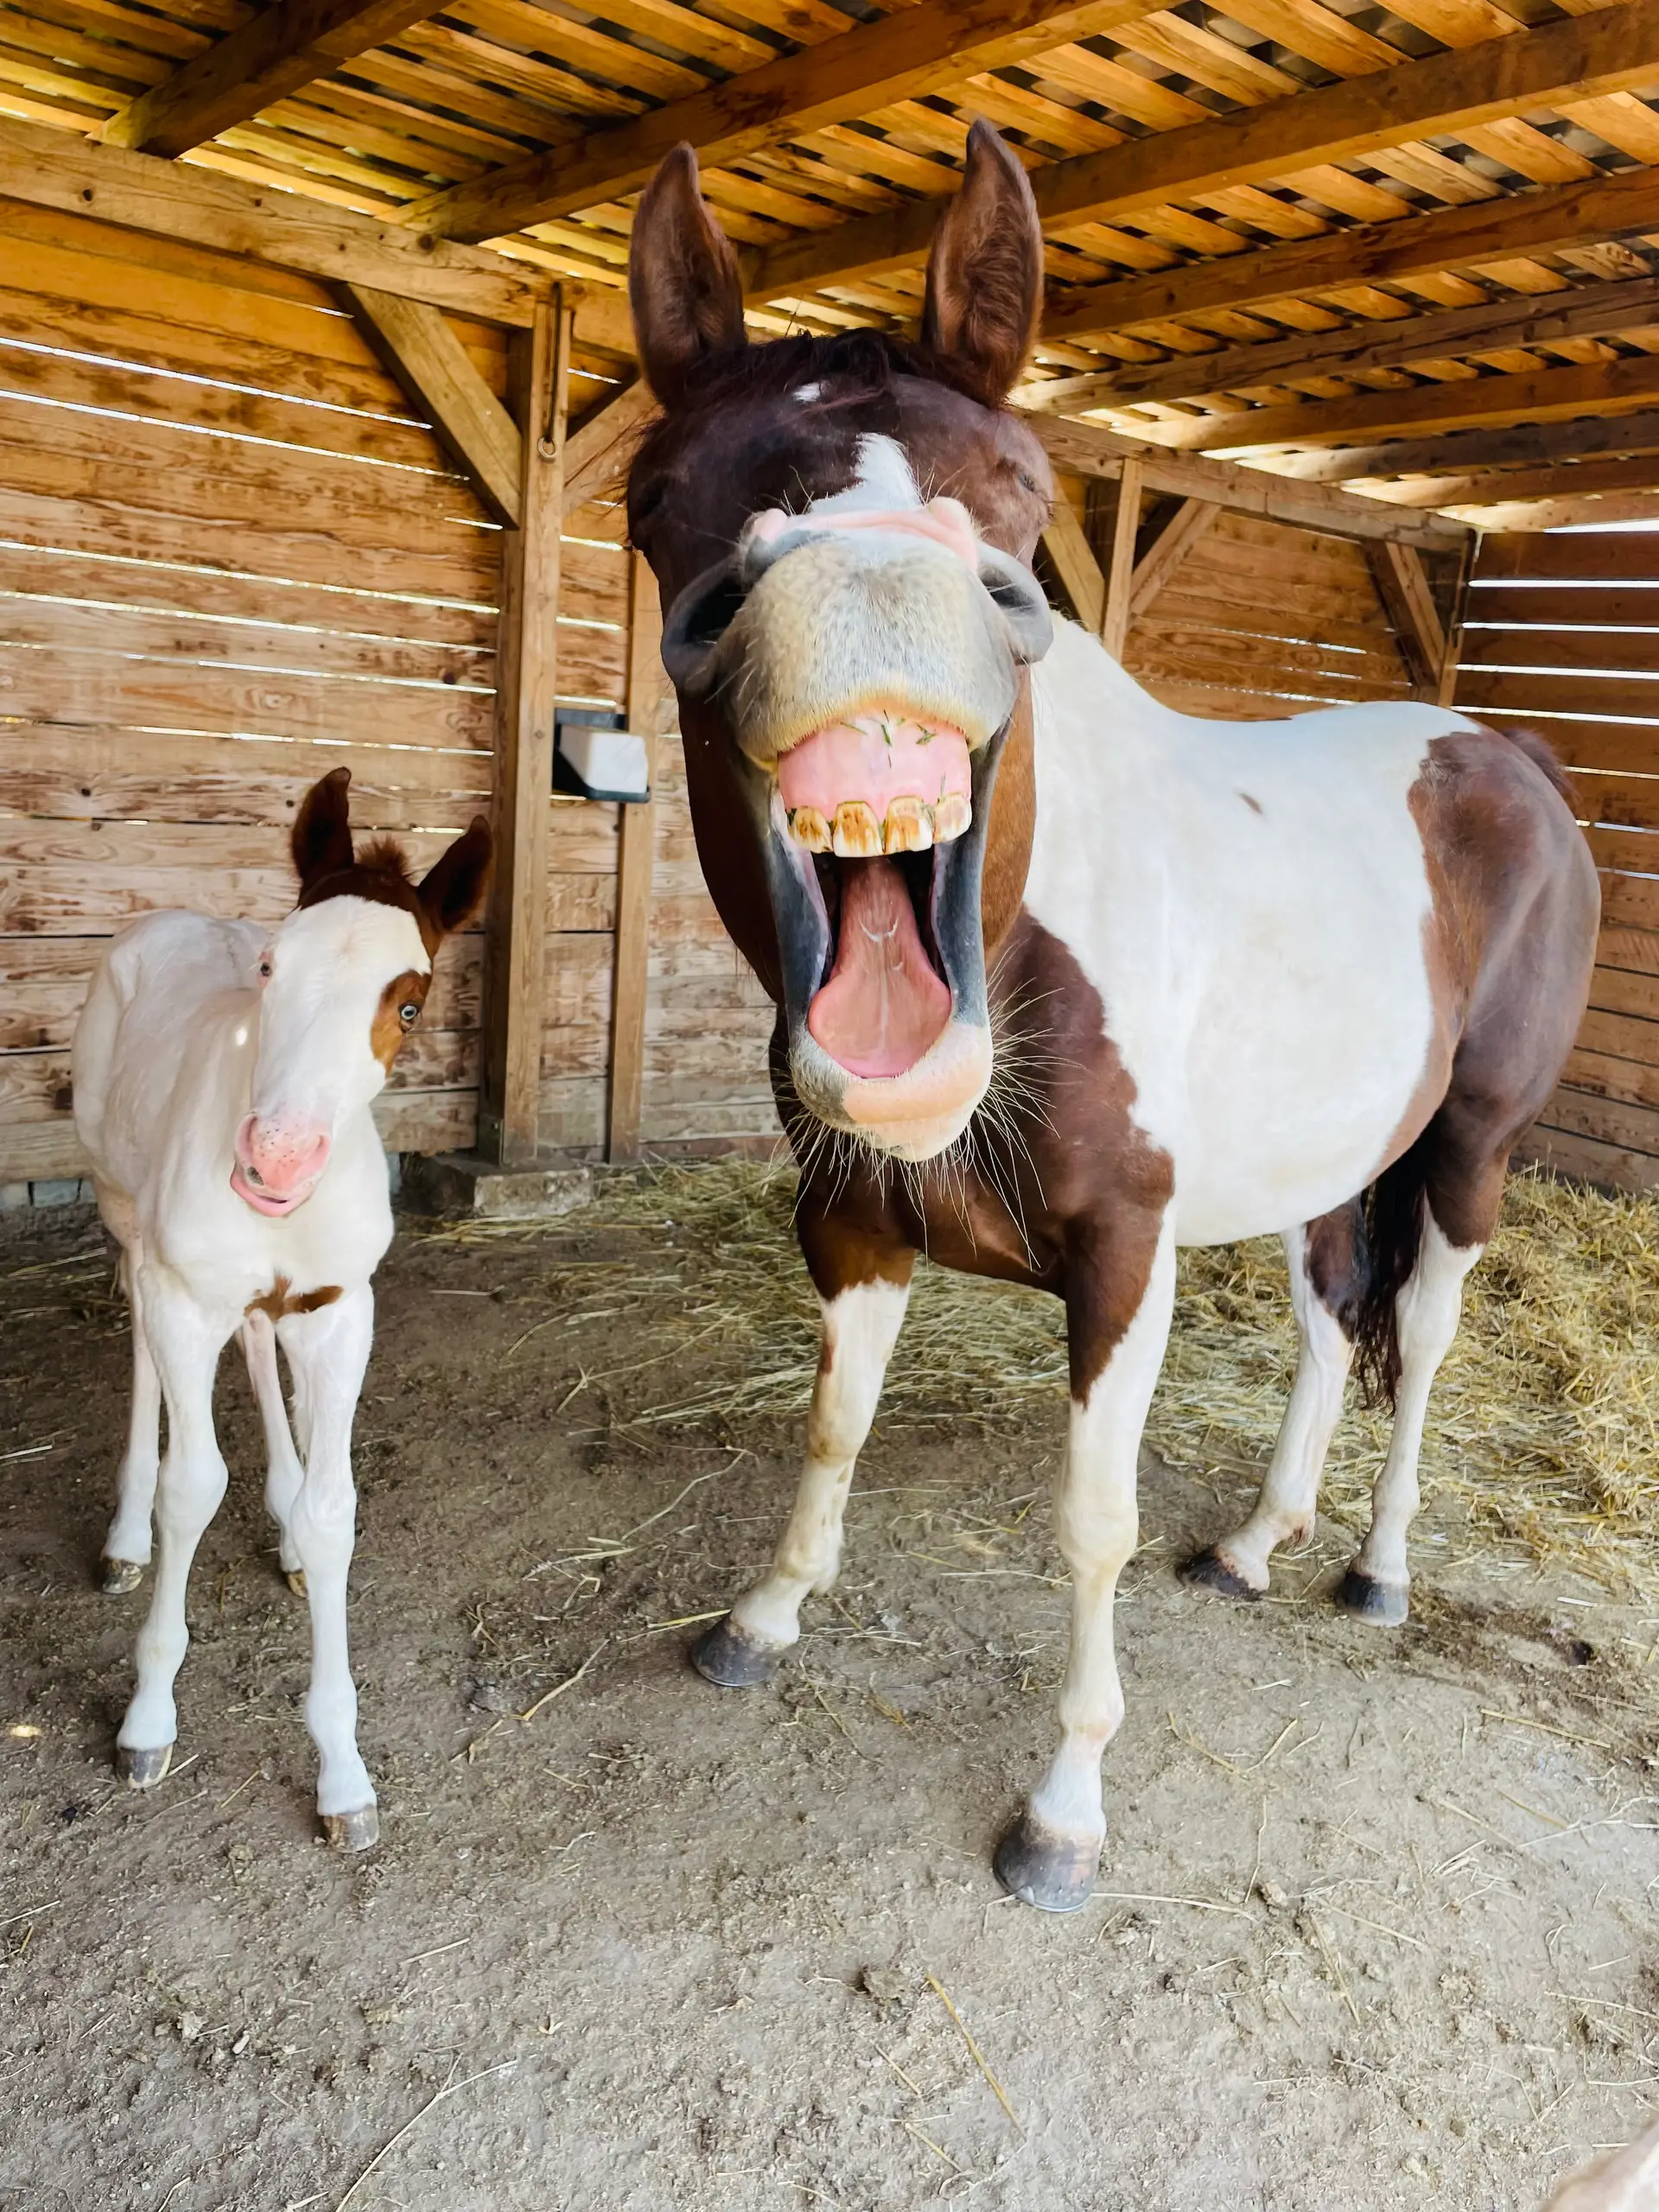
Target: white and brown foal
<point>1064,979</point>
<point>223,1077</point>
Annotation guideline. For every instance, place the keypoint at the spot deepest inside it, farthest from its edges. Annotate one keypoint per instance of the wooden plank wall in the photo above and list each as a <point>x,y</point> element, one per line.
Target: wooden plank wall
<point>1563,638</point>
<point>231,559</point>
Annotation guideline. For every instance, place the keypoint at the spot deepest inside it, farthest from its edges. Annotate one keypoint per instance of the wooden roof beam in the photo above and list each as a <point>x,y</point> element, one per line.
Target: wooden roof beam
<point>1604,387</point>
<point>1514,321</point>
<point>1594,438</point>
<point>203,207</point>
<point>902,56</point>
<point>1580,57</point>
<point>288,44</point>
<point>433,367</point>
<point>1578,481</point>
<point>1542,221</point>
<point>1090,450</point>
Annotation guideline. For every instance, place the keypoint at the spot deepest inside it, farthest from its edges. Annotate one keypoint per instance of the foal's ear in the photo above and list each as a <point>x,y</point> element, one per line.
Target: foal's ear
<point>683,284</point>
<point>985,273</point>
<point>323,835</point>
<point>450,893</point>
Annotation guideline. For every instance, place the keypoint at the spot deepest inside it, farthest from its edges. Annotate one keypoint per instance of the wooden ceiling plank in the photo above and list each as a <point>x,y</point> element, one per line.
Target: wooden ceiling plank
<point>1353,348</point>
<point>917,51</point>
<point>202,208</point>
<point>286,46</point>
<point>1602,53</point>
<point>1504,487</point>
<point>1540,221</point>
<point>1594,438</point>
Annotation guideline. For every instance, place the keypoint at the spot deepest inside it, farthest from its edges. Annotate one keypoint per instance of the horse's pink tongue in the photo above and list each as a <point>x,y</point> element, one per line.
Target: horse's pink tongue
<point>884,1004</point>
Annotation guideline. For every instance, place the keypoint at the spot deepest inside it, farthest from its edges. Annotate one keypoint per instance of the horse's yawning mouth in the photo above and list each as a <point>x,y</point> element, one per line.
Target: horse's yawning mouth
<point>885,1002</point>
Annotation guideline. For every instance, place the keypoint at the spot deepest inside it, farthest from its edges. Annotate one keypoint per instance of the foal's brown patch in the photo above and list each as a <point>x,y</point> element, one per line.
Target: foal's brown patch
<point>388,1032</point>
<point>277,1303</point>
<point>379,873</point>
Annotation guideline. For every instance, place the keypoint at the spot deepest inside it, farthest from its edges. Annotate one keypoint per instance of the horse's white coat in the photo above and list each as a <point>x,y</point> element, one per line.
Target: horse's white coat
<point>176,1047</point>
<point>1249,899</point>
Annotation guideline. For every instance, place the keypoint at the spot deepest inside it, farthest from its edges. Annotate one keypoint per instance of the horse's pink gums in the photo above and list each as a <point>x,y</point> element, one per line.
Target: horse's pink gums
<point>884,1003</point>
<point>877,758</point>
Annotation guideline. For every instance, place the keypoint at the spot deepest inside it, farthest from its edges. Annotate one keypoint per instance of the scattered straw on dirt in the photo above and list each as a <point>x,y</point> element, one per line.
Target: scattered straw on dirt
<point>1543,1423</point>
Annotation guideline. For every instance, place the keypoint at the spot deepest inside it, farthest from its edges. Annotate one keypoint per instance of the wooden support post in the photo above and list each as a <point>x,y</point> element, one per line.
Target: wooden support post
<point>630,977</point>
<point>436,372</point>
<point>1403,587</point>
<point>1120,577</point>
<point>1066,543</point>
<point>1446,689</point>
<point>526,683</point>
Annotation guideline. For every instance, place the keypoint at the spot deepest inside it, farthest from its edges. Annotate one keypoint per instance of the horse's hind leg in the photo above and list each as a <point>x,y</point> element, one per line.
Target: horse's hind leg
<point>1326,1259</point>
<point>1458,1212</point>
<point>126,1547</point>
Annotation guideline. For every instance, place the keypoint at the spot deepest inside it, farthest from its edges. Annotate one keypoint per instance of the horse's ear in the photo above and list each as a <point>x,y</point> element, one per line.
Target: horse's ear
<point>450,891</point>
<point>323,833</point>
<point>683,284</point>
<point>985,273</point>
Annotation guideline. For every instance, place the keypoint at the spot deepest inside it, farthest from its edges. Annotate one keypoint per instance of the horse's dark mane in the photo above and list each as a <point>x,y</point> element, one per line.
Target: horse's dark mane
<point>860,365</point>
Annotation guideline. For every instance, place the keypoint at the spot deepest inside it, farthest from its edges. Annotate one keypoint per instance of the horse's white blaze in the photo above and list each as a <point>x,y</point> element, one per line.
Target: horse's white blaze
<point>1427,1316</point>
<point>1284,1512</point>
<point>331,962</point>
<point>860,1326</point>
<point>1097,1523</point>
<point>1261,955</point>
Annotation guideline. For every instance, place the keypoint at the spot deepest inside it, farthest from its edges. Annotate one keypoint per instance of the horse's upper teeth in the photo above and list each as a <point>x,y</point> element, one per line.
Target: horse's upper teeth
<point>912,826</point>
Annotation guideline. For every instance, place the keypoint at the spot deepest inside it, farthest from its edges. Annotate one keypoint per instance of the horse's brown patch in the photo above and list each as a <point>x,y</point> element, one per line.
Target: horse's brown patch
<point>389,1029</point>
<point>381,874</point>
<point>277,1303</point>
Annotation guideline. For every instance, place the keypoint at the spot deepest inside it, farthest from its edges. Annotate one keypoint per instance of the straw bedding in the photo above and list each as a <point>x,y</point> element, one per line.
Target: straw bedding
<point>1542,1426</point>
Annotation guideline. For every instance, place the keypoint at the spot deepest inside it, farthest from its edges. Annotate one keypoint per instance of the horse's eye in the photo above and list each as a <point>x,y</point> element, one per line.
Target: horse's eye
<point>1029,482</point>
<point>264,969</point>
<point>409,1012</point>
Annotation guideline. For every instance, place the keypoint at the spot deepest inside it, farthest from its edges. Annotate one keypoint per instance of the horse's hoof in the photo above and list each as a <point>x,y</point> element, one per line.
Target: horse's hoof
<point>1207,1570</point>
<point>143,1770</point>
<point>1053,1873</point>
<point>733,1661</point>
<point>294,1578</point>
<point>1384,1605</point>
<point>358,1831</point>
<point>119,1576</point>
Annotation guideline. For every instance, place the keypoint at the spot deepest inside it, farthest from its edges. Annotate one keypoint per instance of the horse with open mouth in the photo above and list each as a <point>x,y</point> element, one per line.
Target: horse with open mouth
<point>1065,979</point>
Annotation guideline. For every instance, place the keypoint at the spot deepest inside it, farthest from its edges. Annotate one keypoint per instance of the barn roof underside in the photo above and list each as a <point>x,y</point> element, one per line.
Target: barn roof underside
<point>1411,249</point>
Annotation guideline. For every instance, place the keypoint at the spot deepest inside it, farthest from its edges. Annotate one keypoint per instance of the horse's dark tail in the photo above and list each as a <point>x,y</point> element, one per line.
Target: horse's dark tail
<point>1395,1207</point>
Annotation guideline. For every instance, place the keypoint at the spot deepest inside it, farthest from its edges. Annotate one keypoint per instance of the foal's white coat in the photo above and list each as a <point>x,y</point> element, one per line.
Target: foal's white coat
<point>1234,893</point>
<point>181,1040</point>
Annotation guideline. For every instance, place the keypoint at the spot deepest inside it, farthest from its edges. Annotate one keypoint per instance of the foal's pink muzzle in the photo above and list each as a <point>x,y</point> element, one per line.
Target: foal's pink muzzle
<point>278,1163</point>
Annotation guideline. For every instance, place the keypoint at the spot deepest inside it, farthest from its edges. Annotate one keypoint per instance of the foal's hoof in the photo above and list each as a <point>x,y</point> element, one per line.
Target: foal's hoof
<point>1384,1605</point>
<point>294,1578</point>
<point>358,1831</point>
<point>119,1576</point>
<point>1053,1873</point>
<point>143,1770</point>
<point>1207,1570</point>
<point>733,1661</point>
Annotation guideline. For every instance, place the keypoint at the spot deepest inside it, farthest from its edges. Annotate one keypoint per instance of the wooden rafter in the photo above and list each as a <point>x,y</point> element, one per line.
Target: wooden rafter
<point>1459,404</point>
<point>1593,438</point>
<point>1092,451</point>
<point>435,369</point>
<point>1066,543</point>
<point>1517,320</point>
<point>1546,220</point>
<point>1403,586</point>
<point>899,57</point>
<point>1583,56</point>
<point>1579,481</point>
<point>1120,572</point>
<point>597,458</point>
<point>272,55</point>
<point>1157,563</point>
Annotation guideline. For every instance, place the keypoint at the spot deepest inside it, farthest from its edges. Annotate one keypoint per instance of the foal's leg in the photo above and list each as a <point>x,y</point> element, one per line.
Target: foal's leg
<point>329,1350</point>
<point>1325,1265</point>
<point>860,1326</point>
<point>1378,1586</point>
<point>184,1345</point>
<point>126,1549</point>
<point>284,1473</point>
<point>1050,1855</point>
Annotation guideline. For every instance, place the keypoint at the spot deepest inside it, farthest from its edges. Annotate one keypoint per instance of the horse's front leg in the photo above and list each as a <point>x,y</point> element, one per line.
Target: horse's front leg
<point>328,1351</point>
<point>1119,1302</point>
<point>862,1292</point>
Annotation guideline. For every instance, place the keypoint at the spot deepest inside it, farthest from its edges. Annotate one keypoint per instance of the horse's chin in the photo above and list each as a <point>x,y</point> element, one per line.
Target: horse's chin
<point>913,1116</point>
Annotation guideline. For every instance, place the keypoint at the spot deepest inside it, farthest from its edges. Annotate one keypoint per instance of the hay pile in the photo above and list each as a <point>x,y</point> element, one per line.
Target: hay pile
<point>1542,1425</point>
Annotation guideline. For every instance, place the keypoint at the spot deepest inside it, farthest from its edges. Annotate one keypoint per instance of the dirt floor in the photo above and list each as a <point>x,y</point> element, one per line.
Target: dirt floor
<point>1376,1925</point>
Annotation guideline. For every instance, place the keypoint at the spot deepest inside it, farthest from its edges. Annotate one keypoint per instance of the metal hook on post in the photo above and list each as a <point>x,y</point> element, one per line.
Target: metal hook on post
<point>549,442</point>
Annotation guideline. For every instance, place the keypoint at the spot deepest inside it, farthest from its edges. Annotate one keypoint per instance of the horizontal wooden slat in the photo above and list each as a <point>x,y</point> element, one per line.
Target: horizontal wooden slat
<point>1632,605</point>
<point>1591,556</point>
<point>1560,694</point>
<point>1609,746</point>
<point>1610,1075</point>
<point>1588,1159</point>
<point>1593,652</point>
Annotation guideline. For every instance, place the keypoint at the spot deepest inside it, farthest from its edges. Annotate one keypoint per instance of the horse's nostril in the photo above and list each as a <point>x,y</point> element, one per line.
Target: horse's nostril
<point>253,1174</point>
